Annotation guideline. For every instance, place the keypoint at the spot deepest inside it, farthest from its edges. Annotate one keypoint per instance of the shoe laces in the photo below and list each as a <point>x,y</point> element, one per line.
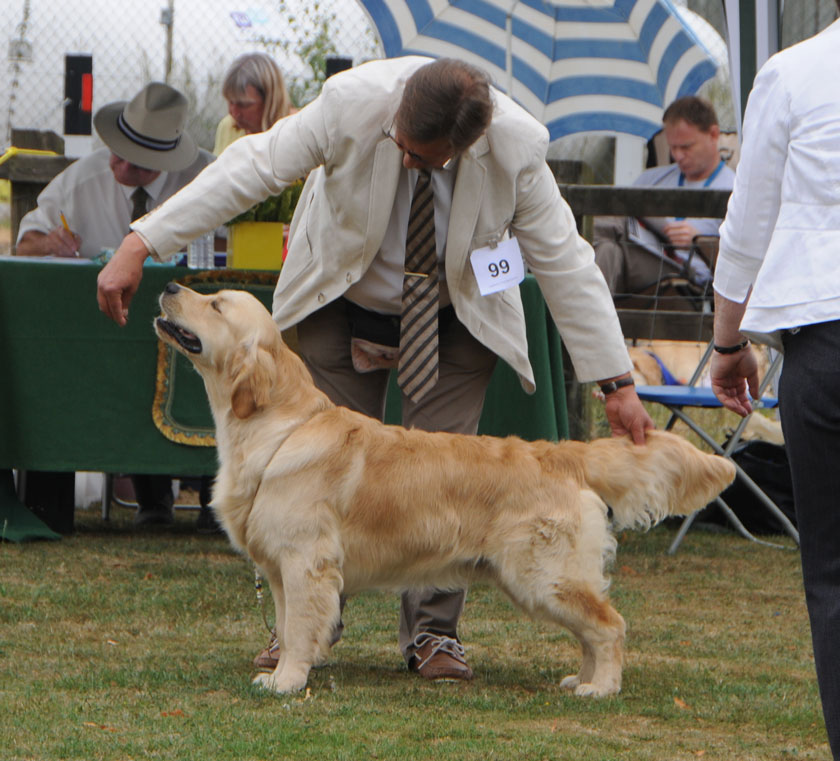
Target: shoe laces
<point>439,644</point>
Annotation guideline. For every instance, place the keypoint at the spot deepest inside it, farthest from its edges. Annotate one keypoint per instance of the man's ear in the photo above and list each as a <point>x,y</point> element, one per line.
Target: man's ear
<point>253,372</point>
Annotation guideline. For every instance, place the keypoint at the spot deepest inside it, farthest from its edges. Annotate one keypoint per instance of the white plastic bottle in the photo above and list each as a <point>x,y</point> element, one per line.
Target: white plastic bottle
<point>200,252</point>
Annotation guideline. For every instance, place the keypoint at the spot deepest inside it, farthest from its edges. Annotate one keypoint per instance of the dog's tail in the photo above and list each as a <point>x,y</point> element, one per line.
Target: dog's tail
<point>645,484</point>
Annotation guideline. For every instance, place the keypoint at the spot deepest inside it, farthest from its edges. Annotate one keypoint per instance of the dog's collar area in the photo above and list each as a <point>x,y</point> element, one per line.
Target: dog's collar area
<point>188,341</point>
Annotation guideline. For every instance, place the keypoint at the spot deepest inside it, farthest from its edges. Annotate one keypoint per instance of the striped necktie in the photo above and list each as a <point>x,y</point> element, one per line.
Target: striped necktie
<point>418,365</point>
<point>139,198</point>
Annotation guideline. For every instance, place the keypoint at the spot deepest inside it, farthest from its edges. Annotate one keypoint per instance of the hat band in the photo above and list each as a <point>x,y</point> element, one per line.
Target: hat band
<point>144,140</point>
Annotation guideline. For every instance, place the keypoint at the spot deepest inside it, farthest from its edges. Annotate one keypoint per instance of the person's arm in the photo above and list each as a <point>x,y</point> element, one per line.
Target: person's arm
<point>120,278</point>
<point>734,367</point>
<point>745,236</point>
<point>577,296</point>
<point>680,233</point>
<point>249,170</point>
<point>625,412</point>
<point>59,242</point>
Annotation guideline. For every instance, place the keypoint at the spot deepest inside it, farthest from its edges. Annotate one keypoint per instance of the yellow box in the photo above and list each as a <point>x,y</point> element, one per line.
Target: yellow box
<point>256,245</point>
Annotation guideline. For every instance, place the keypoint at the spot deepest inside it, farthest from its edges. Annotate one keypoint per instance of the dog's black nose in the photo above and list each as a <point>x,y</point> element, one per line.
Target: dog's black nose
<point>172,288</point>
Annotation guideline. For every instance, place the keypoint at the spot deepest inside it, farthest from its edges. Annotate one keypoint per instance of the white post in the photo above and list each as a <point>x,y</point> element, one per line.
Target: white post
<point>629,153</point>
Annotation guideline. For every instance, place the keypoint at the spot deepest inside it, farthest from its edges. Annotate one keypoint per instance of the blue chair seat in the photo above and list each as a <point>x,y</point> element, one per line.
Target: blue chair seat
<point>689,396</point>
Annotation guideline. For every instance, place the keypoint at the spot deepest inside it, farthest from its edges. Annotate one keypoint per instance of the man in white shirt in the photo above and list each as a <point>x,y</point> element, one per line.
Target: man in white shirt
<point>633,253</point>
<point>777,277</point>
<point>147,148</point>
<point>90,205</point>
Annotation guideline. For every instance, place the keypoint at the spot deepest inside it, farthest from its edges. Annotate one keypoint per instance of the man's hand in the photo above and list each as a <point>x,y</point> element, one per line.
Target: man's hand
<point>680,234</point>
<point>118,281</point>
<point>731,375</point>
<point>626,414</point>
<point>58,242</point>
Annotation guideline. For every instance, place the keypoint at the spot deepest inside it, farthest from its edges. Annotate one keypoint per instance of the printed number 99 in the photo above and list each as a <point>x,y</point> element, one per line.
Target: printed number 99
<point>502,268</point>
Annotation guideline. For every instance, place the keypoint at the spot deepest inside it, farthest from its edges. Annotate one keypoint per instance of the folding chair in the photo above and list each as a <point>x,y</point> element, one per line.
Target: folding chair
<point>676,399</point>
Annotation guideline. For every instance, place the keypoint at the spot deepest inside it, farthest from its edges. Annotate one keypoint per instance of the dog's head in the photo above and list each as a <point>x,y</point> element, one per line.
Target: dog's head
<point>230,338</point>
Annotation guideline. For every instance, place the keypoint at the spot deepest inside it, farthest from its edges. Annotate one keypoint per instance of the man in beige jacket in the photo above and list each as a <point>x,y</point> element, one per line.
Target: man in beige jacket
<point>363,143</point>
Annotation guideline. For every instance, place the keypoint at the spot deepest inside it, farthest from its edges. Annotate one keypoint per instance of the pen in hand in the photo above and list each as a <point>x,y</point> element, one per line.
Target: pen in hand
<point>67,227</point>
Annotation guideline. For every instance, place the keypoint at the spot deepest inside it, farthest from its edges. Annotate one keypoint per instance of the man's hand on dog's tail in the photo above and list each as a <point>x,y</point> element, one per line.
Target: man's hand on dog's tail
<point>627,415</point>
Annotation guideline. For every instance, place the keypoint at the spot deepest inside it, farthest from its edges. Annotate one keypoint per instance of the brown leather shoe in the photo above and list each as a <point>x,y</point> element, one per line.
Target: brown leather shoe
<point>439,659</point>
<point>267,659</point>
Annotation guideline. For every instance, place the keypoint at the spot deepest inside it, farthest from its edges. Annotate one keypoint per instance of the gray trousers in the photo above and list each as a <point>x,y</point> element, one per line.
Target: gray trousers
<point>627,266</point>
<point>453,405</point>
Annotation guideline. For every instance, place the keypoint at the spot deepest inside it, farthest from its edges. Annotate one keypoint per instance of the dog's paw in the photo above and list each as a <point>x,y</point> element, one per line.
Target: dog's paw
<point>570,682</point>
<point>281,683</point>
<point>589,690</point>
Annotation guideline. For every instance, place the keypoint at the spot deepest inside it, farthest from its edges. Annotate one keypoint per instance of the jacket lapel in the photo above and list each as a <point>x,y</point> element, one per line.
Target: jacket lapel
<point>466,203</point>
<point>387,163</point>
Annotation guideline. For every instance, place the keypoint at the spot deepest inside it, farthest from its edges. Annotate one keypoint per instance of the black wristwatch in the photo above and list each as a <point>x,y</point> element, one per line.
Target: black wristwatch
<point>613,386</point>
<point>732,349</point>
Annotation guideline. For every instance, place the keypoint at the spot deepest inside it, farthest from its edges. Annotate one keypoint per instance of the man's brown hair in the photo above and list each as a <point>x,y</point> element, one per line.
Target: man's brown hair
<point>446,99</point>
<point>694,110</point>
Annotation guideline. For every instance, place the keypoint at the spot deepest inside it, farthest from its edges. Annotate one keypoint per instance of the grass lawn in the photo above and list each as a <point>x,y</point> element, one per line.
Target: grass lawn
<point>117,645</point>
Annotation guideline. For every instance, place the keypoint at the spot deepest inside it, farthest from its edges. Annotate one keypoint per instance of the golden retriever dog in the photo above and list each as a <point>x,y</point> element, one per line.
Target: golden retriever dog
<point>325,500</point>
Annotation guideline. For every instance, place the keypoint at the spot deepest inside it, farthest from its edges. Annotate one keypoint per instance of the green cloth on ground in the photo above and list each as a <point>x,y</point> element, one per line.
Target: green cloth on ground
<point>17,522</point>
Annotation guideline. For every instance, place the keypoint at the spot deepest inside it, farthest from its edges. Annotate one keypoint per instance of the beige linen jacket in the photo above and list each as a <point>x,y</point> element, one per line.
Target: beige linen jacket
<point>503,187</point>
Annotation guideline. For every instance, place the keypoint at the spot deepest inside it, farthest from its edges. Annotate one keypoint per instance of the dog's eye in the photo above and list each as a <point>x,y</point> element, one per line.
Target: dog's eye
<point>215,304</point>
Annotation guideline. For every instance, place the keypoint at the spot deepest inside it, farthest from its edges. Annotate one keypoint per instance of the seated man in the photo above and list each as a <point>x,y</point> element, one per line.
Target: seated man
<point>634,253</point>
<point>90,205</point>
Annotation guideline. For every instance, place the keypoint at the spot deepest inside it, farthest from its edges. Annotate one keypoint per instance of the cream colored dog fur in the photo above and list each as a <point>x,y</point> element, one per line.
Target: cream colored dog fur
<point>325,500</point>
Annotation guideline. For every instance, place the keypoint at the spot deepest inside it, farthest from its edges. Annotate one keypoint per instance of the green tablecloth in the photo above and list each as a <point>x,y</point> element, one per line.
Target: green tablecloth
<point>76,391</point>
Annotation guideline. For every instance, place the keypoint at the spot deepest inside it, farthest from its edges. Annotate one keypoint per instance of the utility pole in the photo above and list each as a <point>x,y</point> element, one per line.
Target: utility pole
<point>167,18</point>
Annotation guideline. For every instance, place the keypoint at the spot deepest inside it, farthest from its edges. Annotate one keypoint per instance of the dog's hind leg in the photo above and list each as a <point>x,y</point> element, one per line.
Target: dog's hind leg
<point>600,630</point>
<point>552,567</point>
<point>311,587</point>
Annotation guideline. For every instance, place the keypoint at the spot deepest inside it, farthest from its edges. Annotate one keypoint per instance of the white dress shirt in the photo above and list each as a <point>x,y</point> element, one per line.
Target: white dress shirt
<point>380,289</point>
<point>96,206</point>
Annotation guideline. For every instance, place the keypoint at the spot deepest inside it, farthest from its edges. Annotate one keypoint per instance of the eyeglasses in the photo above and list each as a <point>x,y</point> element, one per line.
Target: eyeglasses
<point>425,160</point>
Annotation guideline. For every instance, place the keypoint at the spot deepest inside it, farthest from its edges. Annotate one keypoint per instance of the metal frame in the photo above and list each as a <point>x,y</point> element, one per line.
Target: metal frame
<point>693,396</point>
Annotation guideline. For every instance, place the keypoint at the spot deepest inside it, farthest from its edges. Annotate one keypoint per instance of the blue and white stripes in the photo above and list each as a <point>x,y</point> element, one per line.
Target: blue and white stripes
<point>577,65</point>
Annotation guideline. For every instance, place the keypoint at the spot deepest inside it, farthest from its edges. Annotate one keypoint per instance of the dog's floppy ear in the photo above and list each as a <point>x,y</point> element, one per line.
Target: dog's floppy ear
<point>252,372</point>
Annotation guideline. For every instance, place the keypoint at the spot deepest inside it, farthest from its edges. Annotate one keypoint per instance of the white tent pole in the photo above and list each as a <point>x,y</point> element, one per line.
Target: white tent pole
<point>733,43</point>
<point>509,47</point>
<point>752,29</point>
<point>767,31</point>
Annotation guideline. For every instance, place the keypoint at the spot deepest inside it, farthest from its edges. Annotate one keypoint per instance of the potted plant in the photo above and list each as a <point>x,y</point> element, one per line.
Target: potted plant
<point>257,237</point>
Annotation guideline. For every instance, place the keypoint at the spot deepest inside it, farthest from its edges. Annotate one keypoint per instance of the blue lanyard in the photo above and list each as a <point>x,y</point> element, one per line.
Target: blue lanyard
<point>709,181</point>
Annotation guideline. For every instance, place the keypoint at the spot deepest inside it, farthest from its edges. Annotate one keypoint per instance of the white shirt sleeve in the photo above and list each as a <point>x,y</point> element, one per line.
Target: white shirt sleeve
<point>754,205</point>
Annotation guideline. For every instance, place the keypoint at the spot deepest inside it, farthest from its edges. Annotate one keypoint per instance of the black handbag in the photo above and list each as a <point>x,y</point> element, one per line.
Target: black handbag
<point>767,465</point>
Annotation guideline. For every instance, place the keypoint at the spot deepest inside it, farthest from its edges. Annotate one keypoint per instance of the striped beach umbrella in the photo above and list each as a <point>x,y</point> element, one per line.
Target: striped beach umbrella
<point>576,65</point>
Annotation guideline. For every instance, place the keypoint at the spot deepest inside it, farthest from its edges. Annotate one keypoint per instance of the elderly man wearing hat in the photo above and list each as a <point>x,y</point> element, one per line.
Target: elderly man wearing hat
<point>148,158</point>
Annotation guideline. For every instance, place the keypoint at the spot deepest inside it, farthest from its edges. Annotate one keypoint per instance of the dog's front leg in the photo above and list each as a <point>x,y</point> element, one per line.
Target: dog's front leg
<point>279,597</point>
<point>311,601</point>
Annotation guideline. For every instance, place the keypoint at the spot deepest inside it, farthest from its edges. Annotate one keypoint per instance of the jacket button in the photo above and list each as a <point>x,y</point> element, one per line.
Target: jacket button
<point>321,298</point>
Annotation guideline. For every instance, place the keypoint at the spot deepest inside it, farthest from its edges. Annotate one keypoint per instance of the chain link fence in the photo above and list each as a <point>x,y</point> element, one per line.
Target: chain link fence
<point>188,43</point>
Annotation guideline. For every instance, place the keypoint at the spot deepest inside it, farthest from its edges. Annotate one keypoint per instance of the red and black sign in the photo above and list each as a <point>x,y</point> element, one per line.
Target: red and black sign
<point>78,94</point>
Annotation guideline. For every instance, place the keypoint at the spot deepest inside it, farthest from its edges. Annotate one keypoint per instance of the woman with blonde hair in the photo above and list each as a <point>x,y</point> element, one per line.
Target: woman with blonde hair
<point>257,97</point>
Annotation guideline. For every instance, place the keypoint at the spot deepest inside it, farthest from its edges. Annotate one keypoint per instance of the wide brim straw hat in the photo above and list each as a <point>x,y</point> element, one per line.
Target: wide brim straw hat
<point>149,129</point>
